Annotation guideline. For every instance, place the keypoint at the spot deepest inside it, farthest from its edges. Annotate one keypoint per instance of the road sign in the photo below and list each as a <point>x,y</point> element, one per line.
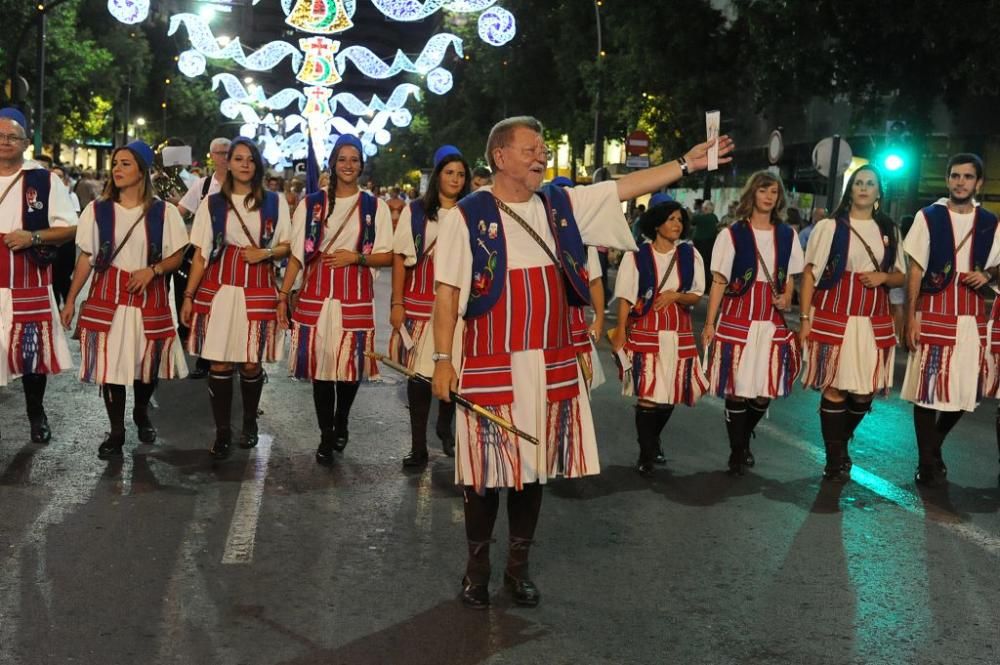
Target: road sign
<point>637,143</point>
<point>637,161</point>
<point>823,156</point>
<point>775,147</point>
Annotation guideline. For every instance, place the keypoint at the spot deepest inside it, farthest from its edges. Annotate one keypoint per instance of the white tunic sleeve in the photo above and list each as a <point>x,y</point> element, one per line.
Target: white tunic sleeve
<point>192,197</point>
<point>61,210</point>
<point>594,264</point>
<point>627,281</point>
<point>818,248</point>
<point>383,228</point>
<point>175,235</point>
<point>86,230</point>
<point>698,283</point>
<point>402,239</point>
<point>201,230</point>
<point>598,213</point>
<point>453,257</point>
<point>723,254</point>
<point>283,229</point>
<point>298,231</point>
<point>796,262</point>
<point>917,244</point>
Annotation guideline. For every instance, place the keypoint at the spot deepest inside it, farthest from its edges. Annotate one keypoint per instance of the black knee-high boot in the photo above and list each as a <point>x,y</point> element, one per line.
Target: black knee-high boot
<point>114,403</point>
<point>480,517</point>
<point>140,413</point>
<point>946,420</point>
<point>324,399</point>
<point>251,388</point>
<point>220,392</point>
<point>346,392</point>
<point>756,409</point>
<point>523,508</point>
<point>663,413</point>
<point>34,401</point>
<point>924,425</point>
<point>833,423</point>
<point>858,406</point>
<point>446,414</point>
<point>739,437</point>
<point>418,394</point>
<point>646,430</point>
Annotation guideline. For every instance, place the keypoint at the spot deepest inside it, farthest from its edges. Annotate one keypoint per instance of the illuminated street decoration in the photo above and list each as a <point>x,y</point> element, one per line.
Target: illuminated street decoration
<point>129,11</point>
<point>497,26</point>
<point>320,63</point>
<point>372,66</point>
<point>320,16</point>
<point>318,68</point>
<point>204,41</point>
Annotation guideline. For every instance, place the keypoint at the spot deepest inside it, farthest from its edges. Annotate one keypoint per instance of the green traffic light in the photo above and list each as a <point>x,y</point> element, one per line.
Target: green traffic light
<point>893,162</point>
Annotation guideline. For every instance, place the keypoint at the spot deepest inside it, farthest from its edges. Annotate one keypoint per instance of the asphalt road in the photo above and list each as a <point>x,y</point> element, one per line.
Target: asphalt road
<point>268,558</point>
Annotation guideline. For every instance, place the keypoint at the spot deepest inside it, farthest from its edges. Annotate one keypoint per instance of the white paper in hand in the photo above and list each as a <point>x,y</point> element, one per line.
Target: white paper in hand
<point>404,335</point>
<point>712,119</point>
<point>176,155</point>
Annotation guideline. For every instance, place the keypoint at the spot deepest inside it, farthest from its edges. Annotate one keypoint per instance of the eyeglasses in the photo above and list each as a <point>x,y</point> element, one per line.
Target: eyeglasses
<point>12,138</point>
<point>537,150</point>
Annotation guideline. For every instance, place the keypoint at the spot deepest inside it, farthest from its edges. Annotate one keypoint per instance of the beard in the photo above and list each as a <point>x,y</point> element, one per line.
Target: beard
<point>961,201</point>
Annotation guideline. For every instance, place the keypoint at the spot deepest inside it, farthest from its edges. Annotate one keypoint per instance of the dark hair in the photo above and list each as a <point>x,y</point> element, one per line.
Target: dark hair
<point>256,198</point>
<point>481,172</point>
<point>432,197</point>
<point>653,218</point>
<point>966,158</point>
<point>113,193</point>
<point>756,181</point>
<point>885,224</point>
<point>794,217</point>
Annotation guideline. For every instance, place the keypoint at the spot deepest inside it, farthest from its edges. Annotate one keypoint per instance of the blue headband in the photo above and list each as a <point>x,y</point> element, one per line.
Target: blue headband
<point>143,152</point>
<point>658,198</point>
<point>562,181</point>
<point>351,140</point>
<point>12,113</point>
<point>445,151</point>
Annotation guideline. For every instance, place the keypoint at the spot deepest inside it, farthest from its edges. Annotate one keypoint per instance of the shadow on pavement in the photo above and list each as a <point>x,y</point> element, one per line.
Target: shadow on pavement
<point>446,634</point>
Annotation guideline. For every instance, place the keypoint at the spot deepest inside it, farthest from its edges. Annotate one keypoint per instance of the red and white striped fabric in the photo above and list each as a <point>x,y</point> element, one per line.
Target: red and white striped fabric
<point>17,271</point>
<point>682,379</point>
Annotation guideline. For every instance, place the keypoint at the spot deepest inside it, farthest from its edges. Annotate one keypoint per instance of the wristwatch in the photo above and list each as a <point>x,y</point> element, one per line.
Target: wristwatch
<point>436,356</point>
<point>157,271</point>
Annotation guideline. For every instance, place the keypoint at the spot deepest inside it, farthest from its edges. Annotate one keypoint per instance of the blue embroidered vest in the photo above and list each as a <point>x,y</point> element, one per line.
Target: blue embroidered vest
<point>839,249</point>
<point>218,210</point>
<point>941,268</point>
<point>418,227</point>
<point>645,261</point>
<point>317,205</point>
<point>745,264</point>
<point>36,186</point>
<point>489,248</point>
<point>104,214</point>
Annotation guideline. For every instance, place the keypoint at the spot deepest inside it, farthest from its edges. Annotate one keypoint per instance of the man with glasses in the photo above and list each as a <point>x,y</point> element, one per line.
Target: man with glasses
<point>188,205</point>
<point>36,215</point>
<point>511,260</point>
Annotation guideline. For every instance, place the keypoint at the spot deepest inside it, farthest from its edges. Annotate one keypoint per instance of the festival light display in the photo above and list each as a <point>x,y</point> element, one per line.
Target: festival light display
<point>323,109</point>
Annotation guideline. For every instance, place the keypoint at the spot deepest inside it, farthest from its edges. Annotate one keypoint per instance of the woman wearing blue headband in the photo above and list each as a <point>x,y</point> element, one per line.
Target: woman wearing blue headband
<point>413,297</point>
<point>339,237</point>
<point>128,335</point>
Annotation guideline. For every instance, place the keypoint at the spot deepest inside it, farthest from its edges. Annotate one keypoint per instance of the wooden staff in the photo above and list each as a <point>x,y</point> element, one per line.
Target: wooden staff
<point>455,397</point>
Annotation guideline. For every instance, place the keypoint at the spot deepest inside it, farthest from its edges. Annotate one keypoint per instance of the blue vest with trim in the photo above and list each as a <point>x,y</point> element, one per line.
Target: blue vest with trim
<point>104,216</point>
<point>218,210</point>
<point>36,185</point>
<point>941,268</point>
<point>839,249</point>
<point>489,248</point>
<point>645,262</point>
<point>418,226</point>
<point>316,220</point>
<point>745,263</point>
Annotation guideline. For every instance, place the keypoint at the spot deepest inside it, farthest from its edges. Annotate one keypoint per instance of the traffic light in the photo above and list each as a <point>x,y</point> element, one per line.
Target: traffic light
<point>895,158</point>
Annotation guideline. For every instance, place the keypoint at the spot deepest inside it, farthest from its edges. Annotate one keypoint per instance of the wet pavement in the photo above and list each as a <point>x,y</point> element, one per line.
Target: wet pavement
<point>268,558</point>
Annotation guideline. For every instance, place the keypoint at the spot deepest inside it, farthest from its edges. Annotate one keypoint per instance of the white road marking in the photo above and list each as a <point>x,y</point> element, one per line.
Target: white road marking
<point>903,498</point>
<point>243,527</point>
